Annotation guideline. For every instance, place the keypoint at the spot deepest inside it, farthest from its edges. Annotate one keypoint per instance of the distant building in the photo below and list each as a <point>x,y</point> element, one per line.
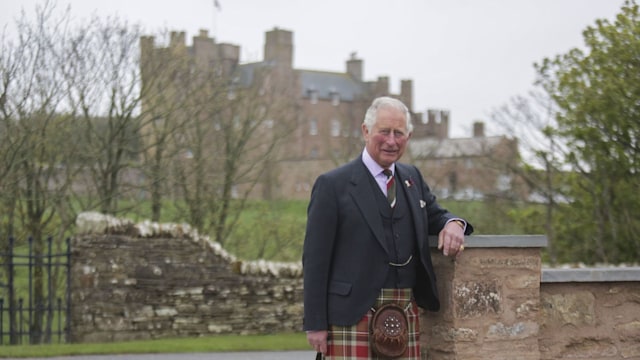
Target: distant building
<point>330,110</point>
<point>469,168</point>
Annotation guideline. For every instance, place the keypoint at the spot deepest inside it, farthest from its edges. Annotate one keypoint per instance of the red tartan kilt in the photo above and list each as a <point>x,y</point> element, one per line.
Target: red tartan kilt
<point>352,342</point>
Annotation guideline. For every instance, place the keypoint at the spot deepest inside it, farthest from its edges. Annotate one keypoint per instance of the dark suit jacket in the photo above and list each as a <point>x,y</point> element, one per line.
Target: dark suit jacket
<point>345,258</point>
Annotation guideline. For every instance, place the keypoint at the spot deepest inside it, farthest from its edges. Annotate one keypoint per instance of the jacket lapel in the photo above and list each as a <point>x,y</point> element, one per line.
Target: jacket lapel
<point>414,199</point>
<point>362,193</point>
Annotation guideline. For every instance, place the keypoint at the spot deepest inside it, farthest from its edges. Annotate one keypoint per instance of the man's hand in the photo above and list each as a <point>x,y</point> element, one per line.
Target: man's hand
<point>318,340</point>
<point>451,238</point>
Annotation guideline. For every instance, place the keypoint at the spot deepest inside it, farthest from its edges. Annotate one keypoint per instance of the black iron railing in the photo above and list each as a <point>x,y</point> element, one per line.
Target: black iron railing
<point>43,278</point>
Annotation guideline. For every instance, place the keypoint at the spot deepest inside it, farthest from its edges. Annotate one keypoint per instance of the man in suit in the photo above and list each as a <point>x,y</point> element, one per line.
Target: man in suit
<point>366,240</point>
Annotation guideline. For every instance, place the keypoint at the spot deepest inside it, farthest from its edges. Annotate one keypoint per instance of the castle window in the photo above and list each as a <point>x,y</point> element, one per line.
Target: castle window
<point>335,98</point>
<point>335,128</point>
<point>468,163</point>
<point>313,127</point>
<point>313,96</point>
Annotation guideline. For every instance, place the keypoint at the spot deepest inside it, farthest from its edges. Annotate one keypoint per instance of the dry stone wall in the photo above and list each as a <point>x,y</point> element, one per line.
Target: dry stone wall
<point>140,281</point>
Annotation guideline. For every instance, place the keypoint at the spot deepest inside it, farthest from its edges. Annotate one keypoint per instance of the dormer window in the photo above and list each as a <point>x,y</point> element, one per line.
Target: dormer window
<point>335,98</point>
<point>313,96</point>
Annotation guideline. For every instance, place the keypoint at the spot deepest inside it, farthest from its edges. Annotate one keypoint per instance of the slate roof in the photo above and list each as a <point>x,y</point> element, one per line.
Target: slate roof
<point>325,83</point>
<point>452,148</point>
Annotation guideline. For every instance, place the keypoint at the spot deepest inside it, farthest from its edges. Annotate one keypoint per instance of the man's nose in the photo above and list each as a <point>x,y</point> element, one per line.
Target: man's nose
<point>392,138</point>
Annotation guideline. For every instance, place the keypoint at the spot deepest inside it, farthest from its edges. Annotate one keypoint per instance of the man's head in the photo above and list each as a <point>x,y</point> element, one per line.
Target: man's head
<point>386,130</point>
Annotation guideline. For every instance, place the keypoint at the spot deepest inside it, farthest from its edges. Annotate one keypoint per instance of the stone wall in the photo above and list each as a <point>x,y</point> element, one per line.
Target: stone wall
<point>490,301</point>
<point>154,281</point>
<point>140,281</point>
<point>498,302</point>
<point>590,313</point>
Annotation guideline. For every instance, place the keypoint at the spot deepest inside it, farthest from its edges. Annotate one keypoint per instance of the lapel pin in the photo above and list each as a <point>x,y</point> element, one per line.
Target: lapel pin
<point>409,182</point>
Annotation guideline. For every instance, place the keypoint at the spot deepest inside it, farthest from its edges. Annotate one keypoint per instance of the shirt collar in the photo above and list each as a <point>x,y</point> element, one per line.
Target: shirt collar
<point>374,168</point>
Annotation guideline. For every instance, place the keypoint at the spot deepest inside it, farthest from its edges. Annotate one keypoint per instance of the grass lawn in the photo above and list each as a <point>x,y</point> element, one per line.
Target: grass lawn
<point>220,343</point>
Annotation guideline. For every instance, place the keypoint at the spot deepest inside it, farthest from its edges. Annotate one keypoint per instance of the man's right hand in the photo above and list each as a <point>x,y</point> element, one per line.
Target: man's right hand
<point>318,340</point>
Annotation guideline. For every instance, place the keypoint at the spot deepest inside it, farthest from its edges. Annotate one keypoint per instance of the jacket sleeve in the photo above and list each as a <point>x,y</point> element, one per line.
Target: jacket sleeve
<point>322,220</point>
<point>437,216</point>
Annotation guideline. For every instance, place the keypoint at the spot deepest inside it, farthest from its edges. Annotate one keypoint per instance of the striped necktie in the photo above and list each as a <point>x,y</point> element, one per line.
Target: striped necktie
<point>391,187</point>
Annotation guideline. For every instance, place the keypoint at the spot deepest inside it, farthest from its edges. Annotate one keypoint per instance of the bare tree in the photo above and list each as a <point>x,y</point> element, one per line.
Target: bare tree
<point>35,135</point>
<point>531,120</point>
<point>103,88</point>
<point>231,141</point>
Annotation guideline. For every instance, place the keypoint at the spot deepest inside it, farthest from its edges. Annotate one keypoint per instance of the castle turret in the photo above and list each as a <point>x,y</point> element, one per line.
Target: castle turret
<point>406,93</point>
<point>354,67</point>
<point>278,47</point>
<point>478,129</point>
<point>382,86</point>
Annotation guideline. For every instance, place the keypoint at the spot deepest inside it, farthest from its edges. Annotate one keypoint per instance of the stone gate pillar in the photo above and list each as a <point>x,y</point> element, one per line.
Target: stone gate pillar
<point>490,301</point>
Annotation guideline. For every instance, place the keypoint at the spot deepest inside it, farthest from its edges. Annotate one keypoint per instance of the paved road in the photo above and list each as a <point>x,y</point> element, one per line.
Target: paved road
<point>255,355</point>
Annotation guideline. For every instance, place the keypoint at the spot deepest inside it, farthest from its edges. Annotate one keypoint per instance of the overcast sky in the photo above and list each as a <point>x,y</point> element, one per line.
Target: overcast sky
<point>466,56</point>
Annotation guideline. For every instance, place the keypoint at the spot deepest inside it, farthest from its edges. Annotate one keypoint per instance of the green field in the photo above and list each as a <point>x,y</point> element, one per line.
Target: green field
<point>276,342</point>
<point>275,231</point>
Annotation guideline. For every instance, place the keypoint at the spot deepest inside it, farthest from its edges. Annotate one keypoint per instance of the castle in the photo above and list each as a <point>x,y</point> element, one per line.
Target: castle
<point>329,108</point>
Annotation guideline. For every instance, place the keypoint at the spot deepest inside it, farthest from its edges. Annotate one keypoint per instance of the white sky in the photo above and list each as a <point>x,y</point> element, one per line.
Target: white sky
<point>467,56</point>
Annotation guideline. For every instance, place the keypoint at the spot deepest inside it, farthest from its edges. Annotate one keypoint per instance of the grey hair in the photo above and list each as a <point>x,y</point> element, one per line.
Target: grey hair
<point>371,116</point>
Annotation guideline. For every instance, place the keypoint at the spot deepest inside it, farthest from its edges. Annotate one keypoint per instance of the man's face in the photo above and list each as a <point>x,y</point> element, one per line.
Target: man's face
<point>388,138</point>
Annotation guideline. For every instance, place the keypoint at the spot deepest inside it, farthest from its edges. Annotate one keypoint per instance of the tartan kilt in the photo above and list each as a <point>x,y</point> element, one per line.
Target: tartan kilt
<point>352,342</point>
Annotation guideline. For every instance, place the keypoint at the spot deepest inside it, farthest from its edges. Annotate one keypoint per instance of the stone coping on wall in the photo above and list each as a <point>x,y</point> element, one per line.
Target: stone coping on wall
<point>96,223</point>
<point>499,241</point>
<point>551,275</point>
<point>595,274</point>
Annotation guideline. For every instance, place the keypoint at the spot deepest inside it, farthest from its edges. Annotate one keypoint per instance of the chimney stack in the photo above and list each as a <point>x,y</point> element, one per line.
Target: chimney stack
<point>478,129</point>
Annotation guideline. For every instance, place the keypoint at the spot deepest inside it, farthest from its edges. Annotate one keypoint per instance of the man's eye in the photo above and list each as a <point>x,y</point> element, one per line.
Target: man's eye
<point>385,132</point>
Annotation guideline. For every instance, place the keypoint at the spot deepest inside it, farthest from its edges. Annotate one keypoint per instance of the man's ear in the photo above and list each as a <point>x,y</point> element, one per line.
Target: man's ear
<point>365,132</point>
